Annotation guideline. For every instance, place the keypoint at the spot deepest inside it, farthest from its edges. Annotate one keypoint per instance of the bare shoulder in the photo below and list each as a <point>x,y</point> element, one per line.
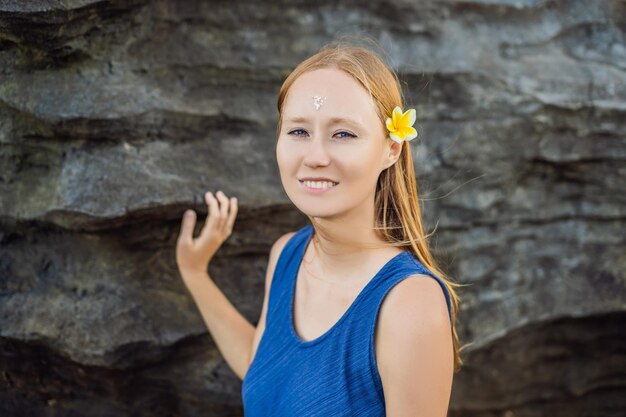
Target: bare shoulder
<point>414,350</point>
<point>416,297</point>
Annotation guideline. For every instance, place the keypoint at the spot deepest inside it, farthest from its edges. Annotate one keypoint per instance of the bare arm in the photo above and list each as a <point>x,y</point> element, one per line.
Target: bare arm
<point>235,337</point>
<point>230,330</point>
<point>414,349</point>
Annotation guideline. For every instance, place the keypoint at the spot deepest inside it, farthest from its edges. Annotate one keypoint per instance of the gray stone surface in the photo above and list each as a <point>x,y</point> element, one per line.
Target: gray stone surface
<point>116,116</point>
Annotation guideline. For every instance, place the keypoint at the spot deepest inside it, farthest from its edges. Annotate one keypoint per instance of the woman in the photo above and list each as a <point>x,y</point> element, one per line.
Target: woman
<point>357,318</point>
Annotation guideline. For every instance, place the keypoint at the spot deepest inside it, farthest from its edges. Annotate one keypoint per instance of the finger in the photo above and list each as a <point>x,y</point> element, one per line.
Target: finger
<point>207,200</point>
<point>231,215</point>
<point>224,203</point>
<point>187,226</point>
<point>213,214</point>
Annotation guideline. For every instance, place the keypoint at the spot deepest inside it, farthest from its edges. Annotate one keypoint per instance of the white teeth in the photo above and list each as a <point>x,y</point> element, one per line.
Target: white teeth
<point>319,184</point>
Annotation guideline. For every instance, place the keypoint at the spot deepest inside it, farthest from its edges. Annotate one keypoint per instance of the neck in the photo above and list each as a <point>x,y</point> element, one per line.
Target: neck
<point>348,252</point>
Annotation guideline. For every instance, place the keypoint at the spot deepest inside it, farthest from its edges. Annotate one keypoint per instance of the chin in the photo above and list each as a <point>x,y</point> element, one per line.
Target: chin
<point>313,209</point>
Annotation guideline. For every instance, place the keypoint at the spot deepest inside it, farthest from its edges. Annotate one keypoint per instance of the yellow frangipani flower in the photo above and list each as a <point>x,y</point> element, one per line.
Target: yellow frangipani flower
<point>400,125</point>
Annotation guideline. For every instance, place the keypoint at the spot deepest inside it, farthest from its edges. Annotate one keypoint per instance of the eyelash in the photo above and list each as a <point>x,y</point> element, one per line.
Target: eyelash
<point>350,135</point>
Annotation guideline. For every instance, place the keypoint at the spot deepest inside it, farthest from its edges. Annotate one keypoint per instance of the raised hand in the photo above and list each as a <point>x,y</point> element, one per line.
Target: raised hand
<point>193,255</point>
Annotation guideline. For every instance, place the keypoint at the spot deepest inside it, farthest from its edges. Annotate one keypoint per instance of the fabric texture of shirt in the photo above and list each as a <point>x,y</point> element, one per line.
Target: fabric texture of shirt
<point>334,374</point>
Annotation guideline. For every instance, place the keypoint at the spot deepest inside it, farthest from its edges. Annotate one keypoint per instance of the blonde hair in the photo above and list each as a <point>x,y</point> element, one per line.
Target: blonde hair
<point>397,207</point>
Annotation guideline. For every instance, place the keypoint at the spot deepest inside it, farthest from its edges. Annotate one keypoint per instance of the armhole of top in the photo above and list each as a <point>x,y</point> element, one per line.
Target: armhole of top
<point>371,339</point>
<point>446,293</point>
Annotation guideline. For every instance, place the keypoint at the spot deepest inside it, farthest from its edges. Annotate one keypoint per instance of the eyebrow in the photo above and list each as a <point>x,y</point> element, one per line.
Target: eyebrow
<point>332,120</point>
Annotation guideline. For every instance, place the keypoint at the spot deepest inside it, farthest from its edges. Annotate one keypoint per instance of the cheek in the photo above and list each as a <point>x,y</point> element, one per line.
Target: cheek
<point>360,164</point>
<point>286,158</point>
<point>281,152</point>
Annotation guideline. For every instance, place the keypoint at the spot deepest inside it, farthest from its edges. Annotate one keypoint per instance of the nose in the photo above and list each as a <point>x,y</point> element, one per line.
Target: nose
<point>316,153</point>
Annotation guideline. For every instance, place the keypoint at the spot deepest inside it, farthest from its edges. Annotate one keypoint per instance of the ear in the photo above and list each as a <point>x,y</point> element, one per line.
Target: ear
<point>392,152</point>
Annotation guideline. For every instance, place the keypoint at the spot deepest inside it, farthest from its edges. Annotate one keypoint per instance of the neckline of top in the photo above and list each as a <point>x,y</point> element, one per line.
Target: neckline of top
<point>301,250</point>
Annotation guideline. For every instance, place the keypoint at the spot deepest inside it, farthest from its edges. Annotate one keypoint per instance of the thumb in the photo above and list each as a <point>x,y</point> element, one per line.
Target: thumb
<point>187,226</point>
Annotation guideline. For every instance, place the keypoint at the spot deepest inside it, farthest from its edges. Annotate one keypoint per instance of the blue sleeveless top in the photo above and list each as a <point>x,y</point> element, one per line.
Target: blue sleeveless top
<point>335,374</point>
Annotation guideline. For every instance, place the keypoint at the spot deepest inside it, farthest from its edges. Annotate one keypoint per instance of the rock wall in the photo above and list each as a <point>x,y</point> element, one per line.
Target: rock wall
<point>116,116</point>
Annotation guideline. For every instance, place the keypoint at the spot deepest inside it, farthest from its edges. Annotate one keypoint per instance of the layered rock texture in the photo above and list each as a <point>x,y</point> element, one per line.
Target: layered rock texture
<point>116,116</point>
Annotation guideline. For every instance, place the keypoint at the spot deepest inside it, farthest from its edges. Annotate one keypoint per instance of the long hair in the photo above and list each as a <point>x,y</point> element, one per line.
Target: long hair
<point>397,207</point>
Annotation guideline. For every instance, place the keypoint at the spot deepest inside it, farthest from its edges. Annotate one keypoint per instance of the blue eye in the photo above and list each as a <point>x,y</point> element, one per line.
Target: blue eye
<point>349,135</point>
<point>297,130</point>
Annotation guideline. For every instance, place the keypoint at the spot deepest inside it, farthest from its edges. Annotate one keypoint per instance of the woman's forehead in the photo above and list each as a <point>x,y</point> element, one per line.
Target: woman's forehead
<point>327,85</point>
<point>323,101</point>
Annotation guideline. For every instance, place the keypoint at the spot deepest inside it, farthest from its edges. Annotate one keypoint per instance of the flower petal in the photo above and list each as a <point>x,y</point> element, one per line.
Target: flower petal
<point>395,137</point>
<point>405,117</point>
<point>411,133</point>
<point>397,116</point>
<point>390,125</point>
<point>412,116</point>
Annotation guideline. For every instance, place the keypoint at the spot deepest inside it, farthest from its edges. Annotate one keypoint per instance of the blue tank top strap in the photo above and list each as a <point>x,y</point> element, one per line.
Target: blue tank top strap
<point>414,266</point>
<point>286,266</point>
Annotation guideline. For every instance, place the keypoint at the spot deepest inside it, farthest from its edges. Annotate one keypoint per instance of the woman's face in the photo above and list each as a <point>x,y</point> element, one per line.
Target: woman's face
<point>351,153</point>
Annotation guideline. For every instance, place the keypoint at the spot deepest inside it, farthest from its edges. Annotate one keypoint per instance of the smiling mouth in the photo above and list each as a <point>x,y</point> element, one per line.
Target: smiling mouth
<point>318,185</point>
